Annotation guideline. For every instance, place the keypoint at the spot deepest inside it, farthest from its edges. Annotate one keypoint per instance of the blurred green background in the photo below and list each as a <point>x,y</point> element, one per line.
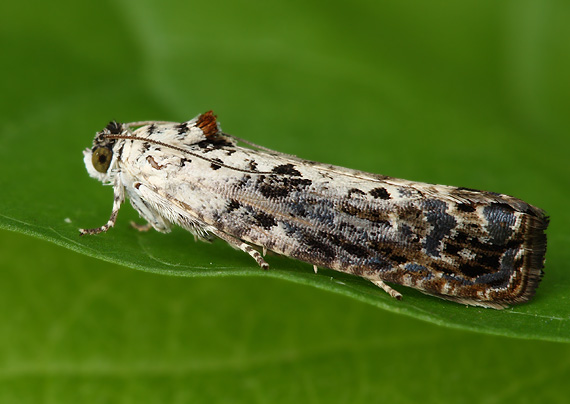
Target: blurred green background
<point>474,93</point>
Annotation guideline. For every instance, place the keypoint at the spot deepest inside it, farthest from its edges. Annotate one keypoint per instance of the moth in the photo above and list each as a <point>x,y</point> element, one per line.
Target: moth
<point>472,247</point>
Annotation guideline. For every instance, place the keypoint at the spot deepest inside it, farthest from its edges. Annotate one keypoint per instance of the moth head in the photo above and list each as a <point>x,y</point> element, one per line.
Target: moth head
<point>100,159</point>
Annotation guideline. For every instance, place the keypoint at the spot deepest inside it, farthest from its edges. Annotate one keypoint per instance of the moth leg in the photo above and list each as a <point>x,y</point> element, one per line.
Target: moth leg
<point>141,227</point>
<point>234,242</point>
<point>118,199</point>
<point>392,292</point>
<point>255,254</point>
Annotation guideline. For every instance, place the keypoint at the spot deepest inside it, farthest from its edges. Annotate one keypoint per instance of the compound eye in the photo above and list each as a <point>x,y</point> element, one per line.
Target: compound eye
<point>101,159</point>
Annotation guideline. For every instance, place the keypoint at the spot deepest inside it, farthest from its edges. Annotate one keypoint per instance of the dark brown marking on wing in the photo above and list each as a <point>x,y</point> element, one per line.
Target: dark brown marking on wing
<point>264,219</point>
<point>354,191</point>
<point>153,163</point>
<point>380,192</point>
<point>288,169</point>
<point>275,187</point>
<point>215,166</point>
<point>182,128</point>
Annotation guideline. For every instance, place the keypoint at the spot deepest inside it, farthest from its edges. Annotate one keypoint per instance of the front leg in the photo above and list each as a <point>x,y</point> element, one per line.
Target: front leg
<point>118,199</point>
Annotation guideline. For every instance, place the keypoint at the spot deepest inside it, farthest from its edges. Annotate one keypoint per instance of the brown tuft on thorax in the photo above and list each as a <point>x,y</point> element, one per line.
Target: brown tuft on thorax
<point>207,122</point>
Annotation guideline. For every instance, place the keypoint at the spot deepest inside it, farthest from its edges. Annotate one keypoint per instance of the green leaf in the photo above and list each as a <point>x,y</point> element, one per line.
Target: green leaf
<point>469,94</point>
<point>78,330</point>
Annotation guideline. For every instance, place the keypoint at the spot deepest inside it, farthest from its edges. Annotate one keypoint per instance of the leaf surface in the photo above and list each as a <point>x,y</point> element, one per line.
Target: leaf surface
<point>428,94</point>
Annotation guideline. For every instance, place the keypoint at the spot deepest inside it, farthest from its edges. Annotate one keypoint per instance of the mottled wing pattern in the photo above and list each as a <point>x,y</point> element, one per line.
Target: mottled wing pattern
<point>470,246</point>
<point>490,249</point>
